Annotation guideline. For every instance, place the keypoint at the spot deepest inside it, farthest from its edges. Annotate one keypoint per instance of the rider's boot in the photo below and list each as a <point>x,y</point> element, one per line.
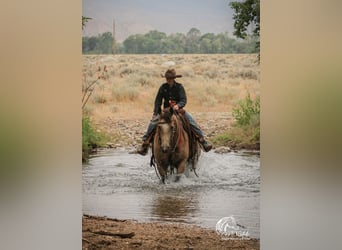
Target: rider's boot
<point>205,144</point>
<point>143,149</point>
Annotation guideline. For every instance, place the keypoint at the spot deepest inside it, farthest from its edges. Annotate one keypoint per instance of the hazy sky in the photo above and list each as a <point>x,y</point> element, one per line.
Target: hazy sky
<point>140,16</point>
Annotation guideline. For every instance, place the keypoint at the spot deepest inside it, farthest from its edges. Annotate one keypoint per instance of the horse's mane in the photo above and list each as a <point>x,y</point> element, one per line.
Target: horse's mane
<point>166,115</point>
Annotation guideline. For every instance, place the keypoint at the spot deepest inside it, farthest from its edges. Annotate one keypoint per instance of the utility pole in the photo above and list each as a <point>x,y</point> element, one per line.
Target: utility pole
<point>114,45</point>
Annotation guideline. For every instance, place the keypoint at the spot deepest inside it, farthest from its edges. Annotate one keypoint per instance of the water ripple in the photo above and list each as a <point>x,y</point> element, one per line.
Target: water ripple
<point>119,184</point>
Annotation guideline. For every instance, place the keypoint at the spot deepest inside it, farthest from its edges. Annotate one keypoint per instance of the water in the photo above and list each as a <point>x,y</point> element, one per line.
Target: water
<point>124,186</point>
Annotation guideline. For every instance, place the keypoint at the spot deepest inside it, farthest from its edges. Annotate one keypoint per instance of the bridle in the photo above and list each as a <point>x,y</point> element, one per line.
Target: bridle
<point>174,141</point>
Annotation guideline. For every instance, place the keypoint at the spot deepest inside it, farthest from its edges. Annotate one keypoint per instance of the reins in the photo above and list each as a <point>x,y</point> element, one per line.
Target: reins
<point>152,163</point>
<point>179,138</point>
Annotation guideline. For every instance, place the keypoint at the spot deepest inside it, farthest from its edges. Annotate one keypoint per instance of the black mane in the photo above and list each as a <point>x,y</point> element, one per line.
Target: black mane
<point>166,115</point>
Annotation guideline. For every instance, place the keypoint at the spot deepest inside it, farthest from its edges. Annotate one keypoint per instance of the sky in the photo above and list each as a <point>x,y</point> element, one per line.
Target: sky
<point>141,16</point>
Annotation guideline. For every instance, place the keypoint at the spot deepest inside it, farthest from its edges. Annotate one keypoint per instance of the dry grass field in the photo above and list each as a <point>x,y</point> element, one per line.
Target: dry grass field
<point>214,83</point>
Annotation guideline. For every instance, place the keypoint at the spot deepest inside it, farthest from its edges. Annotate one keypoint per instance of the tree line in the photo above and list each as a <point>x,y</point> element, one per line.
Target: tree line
<point>156,42</point>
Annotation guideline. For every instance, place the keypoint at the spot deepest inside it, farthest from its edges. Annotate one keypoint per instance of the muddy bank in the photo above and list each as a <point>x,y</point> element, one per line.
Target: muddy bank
<point>107,233</point>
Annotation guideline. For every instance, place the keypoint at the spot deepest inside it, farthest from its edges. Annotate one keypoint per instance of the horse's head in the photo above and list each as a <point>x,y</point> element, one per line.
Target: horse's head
<point>166,127</point>
<point>170,144</point>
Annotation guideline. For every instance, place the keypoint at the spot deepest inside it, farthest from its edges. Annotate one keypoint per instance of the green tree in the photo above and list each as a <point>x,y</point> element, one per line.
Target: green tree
<point>178,43</point>
<point>130,45</point>
<point>155,42</point>
<point>206,43</point>
<point>222,43</point>
<point>138,44</point>
<point>216,45</point>
<point>85,44</point>
<point>89,44</point>
<point>156,35</point>
<point>120,48</point>
<point>247,14</point>
<point>205,46</point>
<point>192,41</point>
<point>84,20</point>
<point>105,42</point>
<point>101,44</point>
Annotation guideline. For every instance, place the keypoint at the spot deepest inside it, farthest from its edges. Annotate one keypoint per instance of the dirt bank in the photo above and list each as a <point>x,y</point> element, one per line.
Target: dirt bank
<point>127,131</point>
<point>107,233</point>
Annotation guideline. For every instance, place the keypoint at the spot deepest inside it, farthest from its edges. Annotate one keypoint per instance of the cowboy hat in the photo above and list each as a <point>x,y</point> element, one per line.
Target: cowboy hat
<point>171,73</point>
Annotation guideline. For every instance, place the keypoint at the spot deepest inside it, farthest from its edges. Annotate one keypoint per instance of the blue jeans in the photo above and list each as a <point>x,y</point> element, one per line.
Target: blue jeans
<point>154,122</point>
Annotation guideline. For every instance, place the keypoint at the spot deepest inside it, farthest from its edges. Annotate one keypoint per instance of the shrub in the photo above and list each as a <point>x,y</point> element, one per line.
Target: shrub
<point>247,127</point>
<point>100,99</point>
<point>121,93</point>
<point>247,112</point>
<point>90,137</point>
<point>245,74</point>
<point>126,71</point>
<point>211,74</point>
<point>140,79</point>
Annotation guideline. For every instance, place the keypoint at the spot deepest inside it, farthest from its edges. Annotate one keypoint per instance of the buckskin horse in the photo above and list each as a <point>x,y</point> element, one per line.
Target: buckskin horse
<point>174,145</point>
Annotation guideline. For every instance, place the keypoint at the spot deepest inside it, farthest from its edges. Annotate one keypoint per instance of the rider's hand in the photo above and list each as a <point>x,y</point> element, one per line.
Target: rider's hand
<point>175,107</point>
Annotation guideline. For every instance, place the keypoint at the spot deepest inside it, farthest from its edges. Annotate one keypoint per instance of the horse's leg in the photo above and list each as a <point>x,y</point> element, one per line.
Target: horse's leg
<point>162,181</point>
<point>162,172</point>
<point>187,171</point>
<point>163,178</point>
<point>180,169</point>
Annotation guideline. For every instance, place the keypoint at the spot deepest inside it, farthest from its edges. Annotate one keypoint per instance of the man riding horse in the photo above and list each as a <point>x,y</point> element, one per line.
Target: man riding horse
<point>174,96</point>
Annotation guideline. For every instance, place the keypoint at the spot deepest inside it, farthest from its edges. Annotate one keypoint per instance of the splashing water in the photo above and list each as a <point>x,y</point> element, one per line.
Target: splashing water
<point>122,185</point>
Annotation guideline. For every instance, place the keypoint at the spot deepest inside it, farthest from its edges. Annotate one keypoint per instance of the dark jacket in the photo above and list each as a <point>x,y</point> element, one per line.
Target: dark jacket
<point>167,93</point>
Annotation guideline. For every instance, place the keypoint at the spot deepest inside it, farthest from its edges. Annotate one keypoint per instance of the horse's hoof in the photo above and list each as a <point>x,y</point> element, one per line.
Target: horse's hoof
<point>162,181</point>
<point>177,178</point>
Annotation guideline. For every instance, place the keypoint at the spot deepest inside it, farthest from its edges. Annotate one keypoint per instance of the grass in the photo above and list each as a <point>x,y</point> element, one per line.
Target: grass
<point>122,93</point>
<point>221,77</point>
<point>237,135</point>
<point>229,138</point>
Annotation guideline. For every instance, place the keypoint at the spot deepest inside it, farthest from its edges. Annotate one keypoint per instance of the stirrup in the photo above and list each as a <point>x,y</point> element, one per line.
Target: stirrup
<point>143,149</point>
<point>206,146</point>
